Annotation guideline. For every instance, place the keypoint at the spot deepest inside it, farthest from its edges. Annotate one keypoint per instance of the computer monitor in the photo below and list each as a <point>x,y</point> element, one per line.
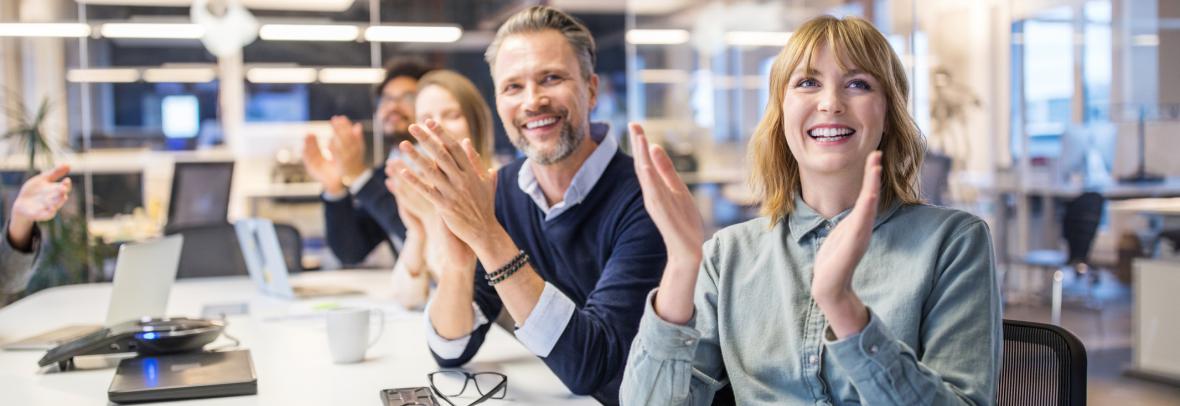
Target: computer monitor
<point>200,193</point>
<point>114,193</point>
<point>180,116</point>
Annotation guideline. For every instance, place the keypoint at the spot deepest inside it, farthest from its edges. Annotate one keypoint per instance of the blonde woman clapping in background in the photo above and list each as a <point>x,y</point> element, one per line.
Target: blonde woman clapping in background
<point>453,102</point>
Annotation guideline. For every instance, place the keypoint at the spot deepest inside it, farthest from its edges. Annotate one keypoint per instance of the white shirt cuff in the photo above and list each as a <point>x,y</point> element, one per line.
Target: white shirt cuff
<point>450,349</point>
<point>354,188</point>
<point>334,198</point>
<point>544,326</point>
<point>360,181</point>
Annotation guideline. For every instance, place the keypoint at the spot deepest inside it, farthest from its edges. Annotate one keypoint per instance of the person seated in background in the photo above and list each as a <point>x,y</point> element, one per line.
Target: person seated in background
<point>39,199</point>
<point>359,212</point>
<point>565,245</point>
<point>848,290</point>
<point>453,102</point>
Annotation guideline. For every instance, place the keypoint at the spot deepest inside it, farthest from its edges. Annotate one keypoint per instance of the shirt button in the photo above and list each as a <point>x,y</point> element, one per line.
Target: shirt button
<point>813,359</point>
<point>873,349</point>
<point>688,342</point>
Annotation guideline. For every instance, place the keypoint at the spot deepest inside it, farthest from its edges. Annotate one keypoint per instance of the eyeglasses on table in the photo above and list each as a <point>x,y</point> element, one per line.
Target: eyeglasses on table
<point>447,384</point>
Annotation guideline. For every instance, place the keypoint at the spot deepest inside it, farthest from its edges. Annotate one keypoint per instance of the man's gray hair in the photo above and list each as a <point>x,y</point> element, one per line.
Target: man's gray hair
<point>541,18</point>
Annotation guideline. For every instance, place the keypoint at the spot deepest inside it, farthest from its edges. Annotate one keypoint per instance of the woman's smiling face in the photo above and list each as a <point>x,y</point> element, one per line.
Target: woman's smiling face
<point>833,117</point>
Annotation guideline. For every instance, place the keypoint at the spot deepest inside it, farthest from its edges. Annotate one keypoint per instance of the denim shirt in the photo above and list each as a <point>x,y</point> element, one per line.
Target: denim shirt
<point>934,333</point>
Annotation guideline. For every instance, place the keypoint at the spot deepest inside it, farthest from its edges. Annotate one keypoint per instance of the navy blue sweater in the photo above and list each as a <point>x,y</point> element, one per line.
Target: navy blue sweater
<point>356,224</point>
<point>605,254</point>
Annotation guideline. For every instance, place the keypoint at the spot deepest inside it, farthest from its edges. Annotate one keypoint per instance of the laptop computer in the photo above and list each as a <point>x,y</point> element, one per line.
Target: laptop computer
<point>192,375</point>
<point>144,273</point>
<point>268,270</point>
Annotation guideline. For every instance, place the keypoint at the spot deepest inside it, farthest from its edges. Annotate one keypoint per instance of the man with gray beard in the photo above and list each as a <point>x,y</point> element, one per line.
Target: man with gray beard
<point>560,239</point>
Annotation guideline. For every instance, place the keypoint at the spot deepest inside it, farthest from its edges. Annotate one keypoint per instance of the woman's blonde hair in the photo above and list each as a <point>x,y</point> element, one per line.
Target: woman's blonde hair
<point>471,103</point>
<point>775,175</point>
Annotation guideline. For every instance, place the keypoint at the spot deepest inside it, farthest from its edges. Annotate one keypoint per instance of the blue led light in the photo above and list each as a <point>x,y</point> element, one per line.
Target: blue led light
<point>148,336</point>
<point>151,372</point>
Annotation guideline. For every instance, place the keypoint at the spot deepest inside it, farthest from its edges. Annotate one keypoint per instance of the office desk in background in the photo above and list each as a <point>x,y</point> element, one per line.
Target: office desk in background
<point>303,192</point>
<point>1155,328</point>
<point>1047,234</point>
<point>286,340</point>
<point>1152,206</point>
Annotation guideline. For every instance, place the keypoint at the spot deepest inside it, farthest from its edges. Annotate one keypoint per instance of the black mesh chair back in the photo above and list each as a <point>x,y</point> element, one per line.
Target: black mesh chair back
<point>209,250</point>
<point>1082,215</point>
<point>291,243</point>
<point>724,397</point>
<point>1043,365</point>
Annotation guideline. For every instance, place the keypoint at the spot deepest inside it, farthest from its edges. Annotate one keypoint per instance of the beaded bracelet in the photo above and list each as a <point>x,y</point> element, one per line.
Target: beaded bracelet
<point>506,271</point>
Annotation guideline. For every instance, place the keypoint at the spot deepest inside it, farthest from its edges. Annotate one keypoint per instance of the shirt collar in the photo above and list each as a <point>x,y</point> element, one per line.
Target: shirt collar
<point>804,219</point>
<point>583,181</point>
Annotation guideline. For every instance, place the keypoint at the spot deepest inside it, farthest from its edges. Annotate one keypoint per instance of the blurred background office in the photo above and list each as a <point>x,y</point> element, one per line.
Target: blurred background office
<point>1057,121</point>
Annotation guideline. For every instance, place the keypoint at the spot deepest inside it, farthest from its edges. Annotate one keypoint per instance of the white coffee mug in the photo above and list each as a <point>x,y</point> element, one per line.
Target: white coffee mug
<point>348,333</point>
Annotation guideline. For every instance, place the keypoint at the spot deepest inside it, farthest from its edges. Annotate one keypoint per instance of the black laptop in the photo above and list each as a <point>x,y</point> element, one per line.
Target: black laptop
<point>190,375</point>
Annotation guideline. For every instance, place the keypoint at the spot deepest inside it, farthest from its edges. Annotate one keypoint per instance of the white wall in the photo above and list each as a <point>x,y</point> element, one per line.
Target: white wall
<point>43,65</point>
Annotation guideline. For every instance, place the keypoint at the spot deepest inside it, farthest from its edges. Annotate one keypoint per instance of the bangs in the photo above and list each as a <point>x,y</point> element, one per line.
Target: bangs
<point>854,43</point>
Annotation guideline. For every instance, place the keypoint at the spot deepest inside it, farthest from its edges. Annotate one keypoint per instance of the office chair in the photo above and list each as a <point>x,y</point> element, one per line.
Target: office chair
<point>1078,228</point>
<point>196,260</point>
<point>724,397</point>
<point>1043,365</point>
<point>291,243</point>
<point>209,250</point>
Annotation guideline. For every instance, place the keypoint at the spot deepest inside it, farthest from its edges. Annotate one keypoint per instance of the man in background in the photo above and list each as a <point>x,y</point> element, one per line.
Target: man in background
<point>359,212</point>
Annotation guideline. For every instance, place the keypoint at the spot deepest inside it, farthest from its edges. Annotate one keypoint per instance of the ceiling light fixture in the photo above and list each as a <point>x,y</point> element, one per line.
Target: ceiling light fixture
<point>657,37</point>
<point>308,32</point>
<point>179,75</point>
<point>49,30</point>
<point>352,75</point>
<point>281,75</point>
<point>413,33</point>
<point>152,31</point>
<point>105,75</point>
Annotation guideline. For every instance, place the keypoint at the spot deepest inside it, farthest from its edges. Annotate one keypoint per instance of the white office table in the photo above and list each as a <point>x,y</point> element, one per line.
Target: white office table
<point>286,340</point>
<point>1168,206</point>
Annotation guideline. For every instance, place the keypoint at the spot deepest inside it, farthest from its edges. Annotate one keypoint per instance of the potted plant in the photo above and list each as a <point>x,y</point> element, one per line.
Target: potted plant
<point>66,255</point>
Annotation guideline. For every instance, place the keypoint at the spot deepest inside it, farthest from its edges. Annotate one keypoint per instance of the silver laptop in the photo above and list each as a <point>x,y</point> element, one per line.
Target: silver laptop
<point>268,269</point>
<point>144,273</point>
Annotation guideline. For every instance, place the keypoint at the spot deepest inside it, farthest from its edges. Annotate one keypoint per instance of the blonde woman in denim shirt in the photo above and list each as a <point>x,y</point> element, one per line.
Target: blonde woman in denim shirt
<point>847,290</point>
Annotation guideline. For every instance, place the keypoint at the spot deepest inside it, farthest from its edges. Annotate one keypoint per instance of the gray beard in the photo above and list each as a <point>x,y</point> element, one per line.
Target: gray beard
<point>569,141</point>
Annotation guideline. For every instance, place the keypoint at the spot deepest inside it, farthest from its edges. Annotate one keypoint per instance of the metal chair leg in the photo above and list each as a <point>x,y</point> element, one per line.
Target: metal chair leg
<point>1058,276</point>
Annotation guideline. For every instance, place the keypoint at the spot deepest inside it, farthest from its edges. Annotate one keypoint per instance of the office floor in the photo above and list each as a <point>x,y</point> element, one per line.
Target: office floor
<point>1104,326</point>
